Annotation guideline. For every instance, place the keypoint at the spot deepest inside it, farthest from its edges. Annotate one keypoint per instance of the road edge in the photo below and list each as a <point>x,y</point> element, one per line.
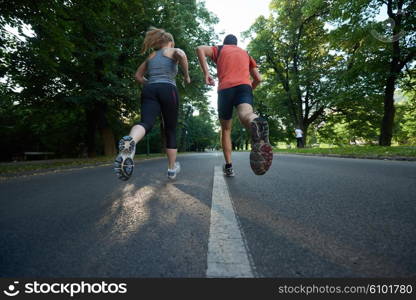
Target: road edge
<point>44,171</point>
<point>396,158</point>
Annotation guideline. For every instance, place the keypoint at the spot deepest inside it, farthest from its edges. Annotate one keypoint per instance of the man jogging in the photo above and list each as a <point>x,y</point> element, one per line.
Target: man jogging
<point>299,137</point>
<point>234,67</point>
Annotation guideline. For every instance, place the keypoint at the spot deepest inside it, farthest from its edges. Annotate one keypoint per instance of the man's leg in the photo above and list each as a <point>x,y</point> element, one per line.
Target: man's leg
<point>226,139</point>
<point>246,114</point>
<point>225,114</point>
<point>261,155</point>
<point>227,147</point>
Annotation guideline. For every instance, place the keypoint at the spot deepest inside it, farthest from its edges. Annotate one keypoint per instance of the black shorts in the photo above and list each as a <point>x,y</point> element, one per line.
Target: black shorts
<point>234,96</point>
<point>161,98</point>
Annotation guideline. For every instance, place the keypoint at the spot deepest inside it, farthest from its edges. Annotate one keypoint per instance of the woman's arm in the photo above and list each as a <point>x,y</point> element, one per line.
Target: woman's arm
<point>141,70</point>
<point>180,57</point>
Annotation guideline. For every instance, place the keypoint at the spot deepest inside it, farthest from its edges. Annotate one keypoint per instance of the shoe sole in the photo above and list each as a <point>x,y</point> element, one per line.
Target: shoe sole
<point>124,164</point>
<point>261,155</point>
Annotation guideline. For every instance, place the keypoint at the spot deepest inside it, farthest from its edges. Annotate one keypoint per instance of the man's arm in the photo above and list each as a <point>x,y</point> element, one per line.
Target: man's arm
<point>254,72</point>
<point>140,73</point>
<point>203,52</point>
<point>180,56</point>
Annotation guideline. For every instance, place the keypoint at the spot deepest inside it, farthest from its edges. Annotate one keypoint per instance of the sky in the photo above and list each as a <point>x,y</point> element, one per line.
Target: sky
<point>235,16</point>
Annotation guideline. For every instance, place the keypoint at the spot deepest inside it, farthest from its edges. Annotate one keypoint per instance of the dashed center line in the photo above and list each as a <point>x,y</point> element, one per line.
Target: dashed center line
<point>227,253</point>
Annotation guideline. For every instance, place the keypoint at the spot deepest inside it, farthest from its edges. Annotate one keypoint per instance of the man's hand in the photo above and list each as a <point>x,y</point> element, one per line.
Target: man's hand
<point>209,80</point>
<point>254,72</point>
<point>202,52</point>
<point>180,56</point>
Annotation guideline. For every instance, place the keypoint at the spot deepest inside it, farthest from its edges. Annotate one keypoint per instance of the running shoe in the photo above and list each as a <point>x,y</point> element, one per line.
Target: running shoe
<point>124,164</point>
<point>261,155</point>
<point>173,172</point>
<point>229,172</point>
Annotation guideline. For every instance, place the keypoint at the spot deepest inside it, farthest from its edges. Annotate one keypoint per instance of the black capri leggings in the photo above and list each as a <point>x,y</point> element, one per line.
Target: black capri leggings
<point>160,98</point>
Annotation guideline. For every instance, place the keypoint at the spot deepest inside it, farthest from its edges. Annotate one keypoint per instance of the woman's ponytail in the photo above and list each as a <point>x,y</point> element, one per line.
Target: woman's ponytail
<point>155,39</point>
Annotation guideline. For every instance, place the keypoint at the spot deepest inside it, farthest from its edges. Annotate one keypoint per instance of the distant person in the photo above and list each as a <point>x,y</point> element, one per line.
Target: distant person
<point>235,89</point>
<point>299,137</point>
<point>159,95</point>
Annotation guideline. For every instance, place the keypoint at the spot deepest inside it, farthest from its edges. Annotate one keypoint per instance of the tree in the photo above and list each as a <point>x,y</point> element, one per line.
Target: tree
<point>393,51</point>
<point>83,55</point>
<point>291,47</point>
<point>405,121</point>
<point>199,132</point>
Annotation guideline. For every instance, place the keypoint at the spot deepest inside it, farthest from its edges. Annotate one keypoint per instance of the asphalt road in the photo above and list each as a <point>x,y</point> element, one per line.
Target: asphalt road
<point>307,217</point>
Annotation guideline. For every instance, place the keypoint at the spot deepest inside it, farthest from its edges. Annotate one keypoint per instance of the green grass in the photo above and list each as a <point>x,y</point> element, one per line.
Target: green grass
<point>358,151</point>
<point>18,167</point>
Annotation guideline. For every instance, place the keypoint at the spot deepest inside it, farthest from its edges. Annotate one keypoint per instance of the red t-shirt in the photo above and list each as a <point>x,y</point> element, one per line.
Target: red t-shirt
<point>233,66</point>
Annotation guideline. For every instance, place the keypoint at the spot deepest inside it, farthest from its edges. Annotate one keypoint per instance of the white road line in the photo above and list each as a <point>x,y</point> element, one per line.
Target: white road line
<point>227,253</point>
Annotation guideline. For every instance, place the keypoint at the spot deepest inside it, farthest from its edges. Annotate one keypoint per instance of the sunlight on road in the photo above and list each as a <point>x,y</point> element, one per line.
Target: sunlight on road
<point>129,212</point>
<point>182,204</point>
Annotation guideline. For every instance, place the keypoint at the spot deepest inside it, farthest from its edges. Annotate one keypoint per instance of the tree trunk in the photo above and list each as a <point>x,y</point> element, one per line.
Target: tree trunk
<point>108,141</point>
<point>91,130</point>
<point>386,133</point>
<point>182,143</point>
<point>186,114</point>
<point>96,119</point>
<point>105,129</point>
<point>305,135</point>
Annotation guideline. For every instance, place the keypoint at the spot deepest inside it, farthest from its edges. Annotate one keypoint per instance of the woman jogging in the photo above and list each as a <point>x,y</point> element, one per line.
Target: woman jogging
<point>159,95</point>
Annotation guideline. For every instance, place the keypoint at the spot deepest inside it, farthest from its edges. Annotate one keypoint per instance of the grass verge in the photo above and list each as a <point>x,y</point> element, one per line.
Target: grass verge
<point>358,151</point>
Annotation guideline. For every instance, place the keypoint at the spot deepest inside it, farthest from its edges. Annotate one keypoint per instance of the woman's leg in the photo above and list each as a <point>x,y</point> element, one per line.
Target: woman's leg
<point>171,154</point>
<point>169,101</point>
<point>137,132</point>
<point>150,109</point>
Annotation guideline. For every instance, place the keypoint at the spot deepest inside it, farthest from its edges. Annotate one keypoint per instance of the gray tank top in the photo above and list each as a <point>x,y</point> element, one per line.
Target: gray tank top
<point>161,69</point>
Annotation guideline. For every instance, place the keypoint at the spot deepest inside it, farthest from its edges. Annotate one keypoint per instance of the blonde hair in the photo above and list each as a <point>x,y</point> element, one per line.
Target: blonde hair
<point>156,38</point>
